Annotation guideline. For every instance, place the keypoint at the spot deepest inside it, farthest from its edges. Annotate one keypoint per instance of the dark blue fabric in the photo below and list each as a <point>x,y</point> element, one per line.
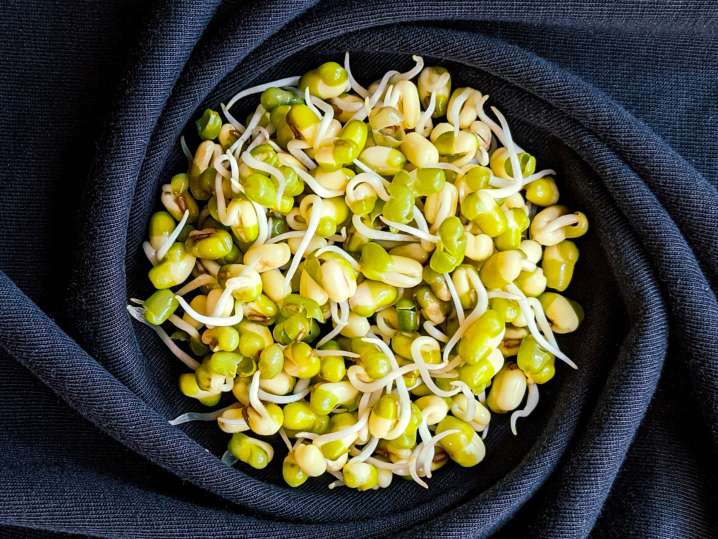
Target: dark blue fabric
<point>620,97</point>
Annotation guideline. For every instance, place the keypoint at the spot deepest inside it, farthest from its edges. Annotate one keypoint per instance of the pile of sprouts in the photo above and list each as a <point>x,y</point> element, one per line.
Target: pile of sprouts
<point>367,274</point>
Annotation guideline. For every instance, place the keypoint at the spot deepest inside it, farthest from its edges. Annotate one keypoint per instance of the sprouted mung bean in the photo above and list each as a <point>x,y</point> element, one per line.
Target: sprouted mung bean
<point>370,272</point>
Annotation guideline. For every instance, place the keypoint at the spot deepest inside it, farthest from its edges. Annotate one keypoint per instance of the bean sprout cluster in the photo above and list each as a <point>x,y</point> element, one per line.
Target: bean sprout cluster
<point>371,274</point>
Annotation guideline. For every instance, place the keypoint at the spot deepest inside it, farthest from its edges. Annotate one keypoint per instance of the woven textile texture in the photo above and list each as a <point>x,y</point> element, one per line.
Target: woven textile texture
<point>620,97</point>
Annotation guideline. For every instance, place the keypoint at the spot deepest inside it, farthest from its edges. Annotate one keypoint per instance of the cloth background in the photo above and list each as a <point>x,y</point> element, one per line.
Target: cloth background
<point>620,97</point>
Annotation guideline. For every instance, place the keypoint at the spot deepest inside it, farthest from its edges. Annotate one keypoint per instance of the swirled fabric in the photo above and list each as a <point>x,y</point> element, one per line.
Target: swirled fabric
<point>621,98</point>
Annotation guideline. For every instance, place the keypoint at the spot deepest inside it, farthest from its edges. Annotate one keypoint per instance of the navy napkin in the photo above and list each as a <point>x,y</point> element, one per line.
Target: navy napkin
<point>621,98</point>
